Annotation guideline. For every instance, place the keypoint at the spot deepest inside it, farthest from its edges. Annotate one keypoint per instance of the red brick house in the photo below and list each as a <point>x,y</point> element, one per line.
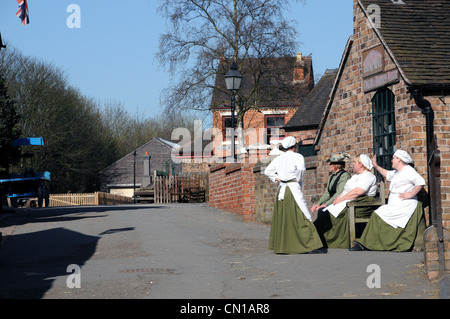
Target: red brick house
<point>271,114</point>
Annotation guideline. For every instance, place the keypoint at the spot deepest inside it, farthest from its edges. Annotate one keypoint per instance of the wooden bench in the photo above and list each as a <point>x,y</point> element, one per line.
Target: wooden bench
<point>380,200</point>
<point>188,190</point>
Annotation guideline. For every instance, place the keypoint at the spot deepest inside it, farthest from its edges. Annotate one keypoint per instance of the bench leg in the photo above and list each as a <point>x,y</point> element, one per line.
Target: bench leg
<point>351,225</point>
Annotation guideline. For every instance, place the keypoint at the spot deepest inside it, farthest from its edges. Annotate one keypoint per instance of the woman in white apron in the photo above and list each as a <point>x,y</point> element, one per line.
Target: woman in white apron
<point>292,230</point>
<point>332,222</point>
<point>394,225</point>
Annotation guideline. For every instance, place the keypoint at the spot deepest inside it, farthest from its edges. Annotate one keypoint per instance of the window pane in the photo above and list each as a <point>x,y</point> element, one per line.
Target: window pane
<point>280,121</point>
<point>383,118</point>
<point>270,121</point>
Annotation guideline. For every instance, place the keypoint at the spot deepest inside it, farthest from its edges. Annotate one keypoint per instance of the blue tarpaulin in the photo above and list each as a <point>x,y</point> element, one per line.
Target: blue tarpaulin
<point>28,141</point>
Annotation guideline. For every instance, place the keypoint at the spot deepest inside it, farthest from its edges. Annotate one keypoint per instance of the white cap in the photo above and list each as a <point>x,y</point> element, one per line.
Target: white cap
<point>404,156</point>
<point>288,142</point>
<point>365,160</point>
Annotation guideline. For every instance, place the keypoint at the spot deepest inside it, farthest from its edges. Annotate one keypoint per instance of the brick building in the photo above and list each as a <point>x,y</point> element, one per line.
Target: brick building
<point>273,107</point>
<point>395,49</point>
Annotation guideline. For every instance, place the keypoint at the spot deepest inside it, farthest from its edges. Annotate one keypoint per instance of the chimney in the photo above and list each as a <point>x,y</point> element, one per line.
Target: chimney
<point>299,69</point>
<point>146,178</point>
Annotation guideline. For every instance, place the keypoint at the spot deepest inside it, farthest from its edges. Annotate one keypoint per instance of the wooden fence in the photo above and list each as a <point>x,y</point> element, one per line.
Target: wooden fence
<point>86,199</point>
<point>163,185</point>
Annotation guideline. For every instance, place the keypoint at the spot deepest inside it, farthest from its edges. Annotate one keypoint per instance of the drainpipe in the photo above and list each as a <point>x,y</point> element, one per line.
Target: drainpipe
<point>434,190</point>
<point>427,110</point>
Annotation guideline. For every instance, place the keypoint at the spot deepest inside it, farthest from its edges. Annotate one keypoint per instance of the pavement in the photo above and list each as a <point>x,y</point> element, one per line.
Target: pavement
<point>186,251</point>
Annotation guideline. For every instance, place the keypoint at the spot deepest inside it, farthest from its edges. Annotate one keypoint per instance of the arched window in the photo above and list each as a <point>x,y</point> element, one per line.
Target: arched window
<point>383,119</point>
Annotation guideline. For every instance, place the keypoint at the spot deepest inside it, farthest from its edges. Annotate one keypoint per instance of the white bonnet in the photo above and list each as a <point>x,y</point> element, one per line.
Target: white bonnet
<point>288,142</point>
<point>404,156</point>
<point>366,161</point>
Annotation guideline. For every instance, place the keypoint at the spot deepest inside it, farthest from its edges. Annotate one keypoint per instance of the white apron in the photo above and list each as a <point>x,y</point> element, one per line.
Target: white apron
<point>335,210</point>
<point>366,181</point>
<point>298,196</point>
<point>397,212</point>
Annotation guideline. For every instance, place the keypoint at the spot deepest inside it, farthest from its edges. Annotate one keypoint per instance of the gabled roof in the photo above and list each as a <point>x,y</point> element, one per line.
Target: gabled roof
<point>198,146</point>
<point>416,33</point>
<point>170,145</point>
<point>288,80</point>
<point>310,112</point>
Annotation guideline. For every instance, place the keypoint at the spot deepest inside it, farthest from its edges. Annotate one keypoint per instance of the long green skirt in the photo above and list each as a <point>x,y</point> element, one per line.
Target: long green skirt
<point>291,232</point>
<point>379,235</point>
<point>334,231</point>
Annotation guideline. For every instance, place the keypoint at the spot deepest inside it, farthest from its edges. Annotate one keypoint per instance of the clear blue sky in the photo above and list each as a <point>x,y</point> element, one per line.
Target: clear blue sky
<point>112,56</point>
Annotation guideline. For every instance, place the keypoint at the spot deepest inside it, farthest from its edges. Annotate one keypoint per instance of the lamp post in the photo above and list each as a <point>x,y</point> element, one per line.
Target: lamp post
<point>233,81</point>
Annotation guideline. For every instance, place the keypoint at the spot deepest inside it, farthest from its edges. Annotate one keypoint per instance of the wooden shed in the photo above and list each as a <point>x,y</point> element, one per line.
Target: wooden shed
<point>137,168</point>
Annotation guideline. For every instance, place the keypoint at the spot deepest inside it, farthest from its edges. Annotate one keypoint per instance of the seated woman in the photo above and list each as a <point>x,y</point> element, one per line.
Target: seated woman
<point>394,225</point>
<point>332,221</point>
<point>336,181</point>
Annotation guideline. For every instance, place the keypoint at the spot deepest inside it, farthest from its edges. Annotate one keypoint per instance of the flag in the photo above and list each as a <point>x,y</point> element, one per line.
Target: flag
<point>22,12</point>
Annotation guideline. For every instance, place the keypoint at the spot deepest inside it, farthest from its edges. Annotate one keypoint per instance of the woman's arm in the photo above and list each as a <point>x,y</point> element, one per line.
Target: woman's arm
<point>380,169</point>
<point>411,193</point>
<point>354,193</point>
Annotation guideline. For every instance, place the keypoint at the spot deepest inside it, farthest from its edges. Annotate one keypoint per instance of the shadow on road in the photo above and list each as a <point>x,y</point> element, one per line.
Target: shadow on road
<point>30,262</point>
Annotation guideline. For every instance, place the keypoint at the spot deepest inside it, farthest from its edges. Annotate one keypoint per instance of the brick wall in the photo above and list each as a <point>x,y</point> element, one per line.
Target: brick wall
<point>242,188</point>
<point>232,188</point>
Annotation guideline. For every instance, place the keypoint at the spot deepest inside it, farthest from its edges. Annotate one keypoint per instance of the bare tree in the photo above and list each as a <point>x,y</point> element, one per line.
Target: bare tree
<point>206,36</point>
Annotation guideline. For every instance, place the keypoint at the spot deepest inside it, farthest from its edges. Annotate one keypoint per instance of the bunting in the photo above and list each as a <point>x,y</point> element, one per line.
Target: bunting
<point>22,12</point>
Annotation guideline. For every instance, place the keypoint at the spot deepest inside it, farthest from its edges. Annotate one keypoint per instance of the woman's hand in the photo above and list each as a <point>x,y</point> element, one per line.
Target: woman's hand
<point>317,207</point>
<point>337,200</point>
<point>412,193</point>
<point>406,195</point>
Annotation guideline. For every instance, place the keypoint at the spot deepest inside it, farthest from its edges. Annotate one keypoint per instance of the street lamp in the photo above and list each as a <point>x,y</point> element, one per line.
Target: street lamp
<point>233,81</point>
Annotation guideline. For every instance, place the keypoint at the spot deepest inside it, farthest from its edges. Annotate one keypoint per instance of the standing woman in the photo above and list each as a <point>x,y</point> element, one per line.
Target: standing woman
<point>292,230</point>
<point>394,225</point>
<point>332,221</point>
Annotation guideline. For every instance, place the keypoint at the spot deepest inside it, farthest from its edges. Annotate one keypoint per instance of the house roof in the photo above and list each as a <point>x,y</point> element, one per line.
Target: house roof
<point>311,111</point>
<point>416,33</point>
<point>170,145</point>
<point>198,146</point>
<point>287,81</point>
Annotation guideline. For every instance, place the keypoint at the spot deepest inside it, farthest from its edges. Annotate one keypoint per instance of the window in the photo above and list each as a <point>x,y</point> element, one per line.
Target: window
<point>306,150</point>
<point>273,125</point>
<point>226,124</point>
<point>383,119</point>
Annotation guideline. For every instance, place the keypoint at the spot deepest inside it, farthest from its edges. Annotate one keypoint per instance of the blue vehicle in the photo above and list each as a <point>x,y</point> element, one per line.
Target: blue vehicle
<point>29,188</point>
